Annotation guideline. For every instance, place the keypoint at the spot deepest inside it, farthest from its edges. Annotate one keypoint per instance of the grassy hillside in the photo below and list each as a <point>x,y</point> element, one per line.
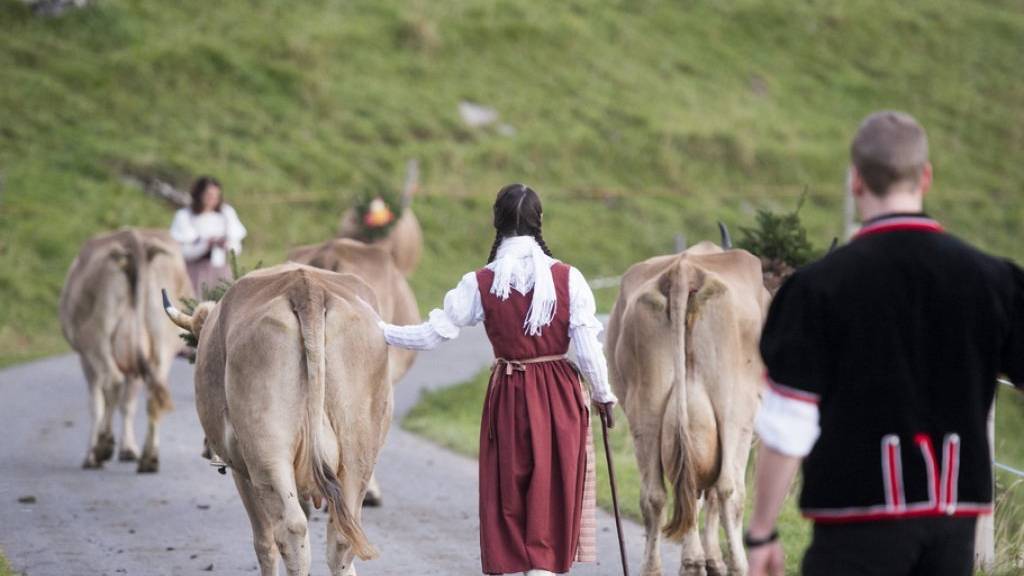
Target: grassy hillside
<point>451,417</point>
<point>634,119</point>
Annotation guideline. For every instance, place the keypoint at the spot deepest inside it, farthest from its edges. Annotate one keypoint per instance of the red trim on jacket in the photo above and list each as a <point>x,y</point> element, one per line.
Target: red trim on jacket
<point>917,223</point>
<point>791,393</point>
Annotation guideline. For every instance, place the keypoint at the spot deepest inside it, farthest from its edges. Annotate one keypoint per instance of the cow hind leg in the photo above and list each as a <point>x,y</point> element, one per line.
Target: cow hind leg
<point>155,407</point>
<point>101,378</point>
<point>278,498</point>
<point>373,498</point>
<point>652,498</point>
<point>340,558</point>
<point>693,561</point>
<point>129,403</point>
<point>732,520</point>
<point>709,535</point>
<point>262,533</point>
<point>97,406</point>
<point>104,449</point>
<point>732,505</point>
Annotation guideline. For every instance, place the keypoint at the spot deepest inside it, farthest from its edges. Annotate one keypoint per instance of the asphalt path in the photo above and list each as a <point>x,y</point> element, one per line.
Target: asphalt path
<point>58,519</point>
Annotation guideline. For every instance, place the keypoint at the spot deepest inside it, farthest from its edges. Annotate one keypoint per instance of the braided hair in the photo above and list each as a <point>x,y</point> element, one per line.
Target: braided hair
<point>517,212</point>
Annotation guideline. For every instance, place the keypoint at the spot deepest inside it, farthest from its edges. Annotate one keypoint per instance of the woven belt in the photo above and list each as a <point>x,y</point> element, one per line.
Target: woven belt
<point>511,366</point>
<point>520,365</point>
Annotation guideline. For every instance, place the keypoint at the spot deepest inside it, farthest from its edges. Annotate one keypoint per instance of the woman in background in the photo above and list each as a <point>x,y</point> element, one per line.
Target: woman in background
<point>206,231</point>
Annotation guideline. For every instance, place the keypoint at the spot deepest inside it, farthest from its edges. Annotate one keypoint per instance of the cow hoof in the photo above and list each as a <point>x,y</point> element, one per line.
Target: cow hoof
<point>149,465</point>
<point>716,568</point>
<point>127,455</point>
<point>651,570</point>
<point>91,463</point>
<point>373,500</point>
<point>104,449</point>
<point>692,568</point>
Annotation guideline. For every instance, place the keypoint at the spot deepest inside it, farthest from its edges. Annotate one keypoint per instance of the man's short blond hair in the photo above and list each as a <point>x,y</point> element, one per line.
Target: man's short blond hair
<point>890,147</point>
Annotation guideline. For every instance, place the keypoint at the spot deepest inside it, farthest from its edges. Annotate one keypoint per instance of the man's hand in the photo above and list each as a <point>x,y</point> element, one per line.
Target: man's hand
<point>767,560</point>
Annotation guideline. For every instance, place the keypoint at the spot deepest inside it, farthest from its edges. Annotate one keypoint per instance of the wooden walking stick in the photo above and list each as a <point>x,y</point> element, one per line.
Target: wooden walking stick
<point>606,423</point>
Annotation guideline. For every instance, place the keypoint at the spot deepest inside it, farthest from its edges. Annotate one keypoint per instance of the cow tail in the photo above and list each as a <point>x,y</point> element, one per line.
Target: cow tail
<point>680,473</point>
<point>159,396</point>
<point>311,312</point>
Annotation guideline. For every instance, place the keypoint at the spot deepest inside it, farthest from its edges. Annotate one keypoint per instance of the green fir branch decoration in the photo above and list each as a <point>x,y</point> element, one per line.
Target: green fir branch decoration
<point>779,238</point>
<point>214,294</point>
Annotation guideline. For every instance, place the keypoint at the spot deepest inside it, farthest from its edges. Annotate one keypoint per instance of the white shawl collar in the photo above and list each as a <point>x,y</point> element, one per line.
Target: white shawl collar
<point>511,251</point>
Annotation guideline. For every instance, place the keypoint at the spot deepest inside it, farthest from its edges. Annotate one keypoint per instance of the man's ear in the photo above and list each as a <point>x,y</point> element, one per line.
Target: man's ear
<point>925,181</point>
<point>854,183</point>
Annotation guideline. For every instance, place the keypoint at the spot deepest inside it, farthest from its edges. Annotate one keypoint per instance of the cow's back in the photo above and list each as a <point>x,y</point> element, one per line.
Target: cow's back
<point>97,300</point>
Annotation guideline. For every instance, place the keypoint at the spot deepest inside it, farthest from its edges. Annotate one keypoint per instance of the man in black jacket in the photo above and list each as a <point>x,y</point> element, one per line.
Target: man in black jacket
<point>882,361</point>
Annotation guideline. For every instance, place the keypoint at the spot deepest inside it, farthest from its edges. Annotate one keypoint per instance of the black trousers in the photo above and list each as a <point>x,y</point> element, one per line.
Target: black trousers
<point>940,546</point>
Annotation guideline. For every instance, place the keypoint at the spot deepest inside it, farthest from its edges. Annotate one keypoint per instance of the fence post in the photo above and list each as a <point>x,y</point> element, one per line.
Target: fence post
<point>984,536</point>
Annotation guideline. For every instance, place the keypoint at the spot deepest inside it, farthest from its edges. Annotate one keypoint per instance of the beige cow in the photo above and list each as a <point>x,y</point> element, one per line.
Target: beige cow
<point>405,240</point>
<point>293,392</point>
<point>397,302</point>
<point>683,357</point>
<point>110,314</point>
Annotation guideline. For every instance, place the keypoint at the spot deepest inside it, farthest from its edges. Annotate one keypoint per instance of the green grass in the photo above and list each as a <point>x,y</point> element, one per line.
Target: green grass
<point>635,120</point>
<point>451,417</point>
<point>5,568</point>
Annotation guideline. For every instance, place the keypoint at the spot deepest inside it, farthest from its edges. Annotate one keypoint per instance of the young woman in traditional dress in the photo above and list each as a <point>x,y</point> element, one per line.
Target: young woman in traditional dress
<point>537,483</point>
<point>206,231</point>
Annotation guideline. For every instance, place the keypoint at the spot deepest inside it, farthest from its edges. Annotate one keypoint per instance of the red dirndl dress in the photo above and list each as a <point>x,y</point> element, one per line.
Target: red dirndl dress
<point>534,438</point>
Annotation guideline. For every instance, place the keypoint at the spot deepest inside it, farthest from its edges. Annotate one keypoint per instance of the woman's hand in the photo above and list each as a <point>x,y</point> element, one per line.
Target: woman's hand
<point>605,409</point>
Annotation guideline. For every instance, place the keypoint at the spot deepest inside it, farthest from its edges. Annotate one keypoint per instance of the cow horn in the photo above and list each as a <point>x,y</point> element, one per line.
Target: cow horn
<point>181,319</point>
<point>726,239</point>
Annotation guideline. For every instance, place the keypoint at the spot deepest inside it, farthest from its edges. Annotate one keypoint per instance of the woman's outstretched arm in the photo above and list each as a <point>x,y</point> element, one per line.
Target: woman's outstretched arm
<point>584,328</point>
<point>462,307</point>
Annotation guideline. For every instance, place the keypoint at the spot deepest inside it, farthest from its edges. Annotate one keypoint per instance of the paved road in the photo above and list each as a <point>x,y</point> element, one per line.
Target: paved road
<point>187,519</point>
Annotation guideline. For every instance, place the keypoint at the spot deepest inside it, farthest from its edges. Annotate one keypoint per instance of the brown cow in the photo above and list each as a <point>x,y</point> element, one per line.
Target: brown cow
<point>110,314</point>
<point>683,358</point>
<point>293,392</point>
<point>397,301</point>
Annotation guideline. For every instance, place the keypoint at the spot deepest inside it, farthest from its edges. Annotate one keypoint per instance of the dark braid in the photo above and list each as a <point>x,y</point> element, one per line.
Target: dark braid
<point>543,246</point>
<point>517,212</point>
<point>494,247</point>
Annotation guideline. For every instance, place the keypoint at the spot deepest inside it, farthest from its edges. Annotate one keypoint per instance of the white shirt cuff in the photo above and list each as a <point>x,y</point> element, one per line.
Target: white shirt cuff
<point>443,325</point>
<point>787,425</point>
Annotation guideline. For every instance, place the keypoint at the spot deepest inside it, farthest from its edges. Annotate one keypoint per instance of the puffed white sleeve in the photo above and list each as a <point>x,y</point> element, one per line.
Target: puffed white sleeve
<point>235,230</point>
<point>584,328</point>
<point>462,307</point>
<point>787,421</point>
<point>192,245</point>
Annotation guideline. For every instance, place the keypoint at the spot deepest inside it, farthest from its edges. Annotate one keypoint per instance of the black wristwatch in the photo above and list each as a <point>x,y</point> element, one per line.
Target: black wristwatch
<point>749,542</point>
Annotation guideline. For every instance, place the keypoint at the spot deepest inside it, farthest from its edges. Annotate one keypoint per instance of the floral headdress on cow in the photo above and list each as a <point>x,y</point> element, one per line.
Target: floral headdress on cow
<point>378,211</point>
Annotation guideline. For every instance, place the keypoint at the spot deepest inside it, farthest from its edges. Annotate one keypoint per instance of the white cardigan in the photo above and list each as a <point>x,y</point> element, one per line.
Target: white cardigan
<point>462,307</point>
<point>194,232</point>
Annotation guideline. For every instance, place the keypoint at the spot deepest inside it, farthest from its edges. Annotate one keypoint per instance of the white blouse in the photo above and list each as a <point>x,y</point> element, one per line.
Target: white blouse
<point>195,231</point>
<point>462,307</point>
